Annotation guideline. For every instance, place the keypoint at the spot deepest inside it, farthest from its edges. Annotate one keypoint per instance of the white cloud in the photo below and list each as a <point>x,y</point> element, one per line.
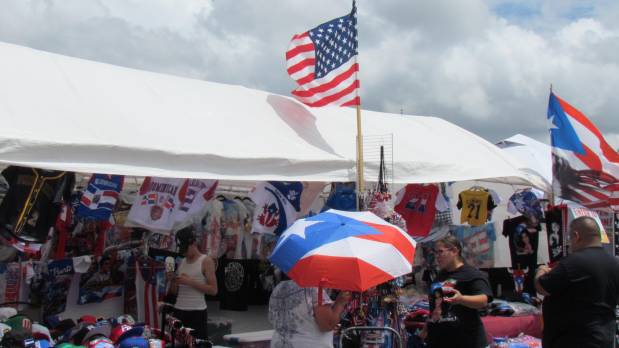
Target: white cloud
<point>486,66</point>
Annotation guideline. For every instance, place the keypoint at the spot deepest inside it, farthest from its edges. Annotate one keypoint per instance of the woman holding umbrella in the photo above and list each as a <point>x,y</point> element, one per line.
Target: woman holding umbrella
<point>460,292</point>
<point>298,319</point>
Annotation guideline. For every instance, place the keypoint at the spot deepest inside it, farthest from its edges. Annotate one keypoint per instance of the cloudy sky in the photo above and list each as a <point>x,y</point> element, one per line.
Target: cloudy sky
<point>485,65</point>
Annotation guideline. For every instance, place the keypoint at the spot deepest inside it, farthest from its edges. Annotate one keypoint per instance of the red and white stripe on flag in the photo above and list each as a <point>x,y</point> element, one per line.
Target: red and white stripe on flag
<point>323,62</point>
<point>599,158</point>
<point>147,295</point>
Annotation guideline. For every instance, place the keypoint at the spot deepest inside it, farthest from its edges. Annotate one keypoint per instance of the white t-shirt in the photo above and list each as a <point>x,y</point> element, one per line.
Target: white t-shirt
<point>291,312</point>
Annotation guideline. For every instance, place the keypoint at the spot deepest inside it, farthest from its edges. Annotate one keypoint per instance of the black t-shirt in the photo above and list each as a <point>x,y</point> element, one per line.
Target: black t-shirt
<point>580,310</point>
<point>459,326</point>
<point>32,203</point>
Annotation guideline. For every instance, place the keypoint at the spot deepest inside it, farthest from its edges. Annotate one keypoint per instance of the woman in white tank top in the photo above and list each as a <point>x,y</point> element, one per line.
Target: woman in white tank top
<point>195,277</point>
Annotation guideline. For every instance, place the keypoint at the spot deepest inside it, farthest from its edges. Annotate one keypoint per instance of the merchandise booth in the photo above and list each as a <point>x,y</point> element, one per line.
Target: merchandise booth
<point>103,164</point>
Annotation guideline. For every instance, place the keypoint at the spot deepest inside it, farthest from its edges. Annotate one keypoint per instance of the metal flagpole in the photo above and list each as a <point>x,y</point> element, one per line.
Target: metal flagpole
<point>552,181</point>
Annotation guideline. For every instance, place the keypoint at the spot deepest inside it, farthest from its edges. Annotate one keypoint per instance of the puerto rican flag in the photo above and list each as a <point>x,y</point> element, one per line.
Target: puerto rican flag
<point>585,166</point>
<point>149,291</point>
<point>100,196</point>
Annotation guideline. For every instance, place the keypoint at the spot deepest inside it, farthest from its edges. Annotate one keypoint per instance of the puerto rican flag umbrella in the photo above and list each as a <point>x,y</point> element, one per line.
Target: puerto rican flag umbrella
<point>344,250</point>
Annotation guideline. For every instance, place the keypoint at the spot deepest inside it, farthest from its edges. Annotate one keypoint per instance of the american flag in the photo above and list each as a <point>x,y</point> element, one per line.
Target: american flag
<point>323,62</point>
<point>148,291</point>
<point>585,166</point>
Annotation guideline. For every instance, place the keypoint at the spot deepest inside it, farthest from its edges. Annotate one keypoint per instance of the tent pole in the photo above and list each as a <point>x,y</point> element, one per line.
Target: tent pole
<point>360,166</point>
<point>552,182</point>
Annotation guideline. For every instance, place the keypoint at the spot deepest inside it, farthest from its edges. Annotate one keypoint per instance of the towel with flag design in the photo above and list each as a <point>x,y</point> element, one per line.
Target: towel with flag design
<point>100,196</point>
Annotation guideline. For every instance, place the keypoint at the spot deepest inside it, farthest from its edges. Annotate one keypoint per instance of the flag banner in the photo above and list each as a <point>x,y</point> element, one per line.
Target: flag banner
<point>277,206</point>
<point>477,244</point>
<point>585,167</point>
<point>323,62</point>
<point>149,290</point>
<point>104,279</point>
<point>100,196</point>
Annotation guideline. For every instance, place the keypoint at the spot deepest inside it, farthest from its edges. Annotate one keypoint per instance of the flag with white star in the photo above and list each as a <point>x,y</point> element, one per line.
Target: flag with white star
<point>323,62</point>
<point>585,166</point>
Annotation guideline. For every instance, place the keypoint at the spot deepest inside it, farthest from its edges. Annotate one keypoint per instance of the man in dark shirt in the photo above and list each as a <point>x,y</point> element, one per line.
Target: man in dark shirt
<point>581,292</point>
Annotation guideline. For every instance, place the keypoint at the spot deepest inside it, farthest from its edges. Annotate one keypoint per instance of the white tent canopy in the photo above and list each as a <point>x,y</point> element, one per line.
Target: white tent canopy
<point>535,155</point>
<point>64,113</point>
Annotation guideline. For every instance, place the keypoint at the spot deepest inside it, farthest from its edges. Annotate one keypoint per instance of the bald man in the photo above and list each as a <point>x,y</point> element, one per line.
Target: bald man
<point>581,292</point>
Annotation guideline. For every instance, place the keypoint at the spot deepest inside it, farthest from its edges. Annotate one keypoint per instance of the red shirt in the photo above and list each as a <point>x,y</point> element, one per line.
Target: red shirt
<point>418,207</point>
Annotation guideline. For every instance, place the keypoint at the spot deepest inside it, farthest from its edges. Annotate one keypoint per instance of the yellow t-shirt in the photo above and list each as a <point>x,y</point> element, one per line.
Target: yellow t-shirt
<point>474,205</point>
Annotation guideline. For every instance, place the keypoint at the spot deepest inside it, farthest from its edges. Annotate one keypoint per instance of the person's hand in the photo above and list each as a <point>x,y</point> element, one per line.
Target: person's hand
<point>541,270</point>
<point>183,279</point>
<point>343,298</point>
<point>169,276</point>
<point>453,296</point>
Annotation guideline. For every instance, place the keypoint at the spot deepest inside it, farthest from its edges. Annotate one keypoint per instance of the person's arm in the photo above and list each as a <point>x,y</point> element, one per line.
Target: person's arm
<point>208,270</point>
<point>328,316</point>
<point>541,271</point>
<point>471,301</point>
<point>480,294</point>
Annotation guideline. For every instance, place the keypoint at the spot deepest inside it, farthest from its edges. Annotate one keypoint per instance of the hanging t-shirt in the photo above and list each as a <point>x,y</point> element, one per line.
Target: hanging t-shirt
<point>32,203</point>
<point>54,284</point>
<point>233,284</point>
<point>104,279</point>
<point>277,206</point>
<point>475,206</point>
<point>209,238</point>
<point>155,204</point>
<point>418,204</point>
<point>193,196</point>
<point>555,231</point>
<point>343,196</point>
<point>524,202</point>
<point>100,196</point>
<point>10,281</point>
<point>457,325</point>
<point>477,244</point>
<point>523,243</point>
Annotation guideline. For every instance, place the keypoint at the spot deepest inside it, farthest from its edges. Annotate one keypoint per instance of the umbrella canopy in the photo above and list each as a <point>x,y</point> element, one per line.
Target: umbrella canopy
<point>344,250</point>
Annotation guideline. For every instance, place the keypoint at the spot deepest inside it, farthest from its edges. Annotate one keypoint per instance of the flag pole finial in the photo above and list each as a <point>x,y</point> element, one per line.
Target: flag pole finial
<point>551,88</point>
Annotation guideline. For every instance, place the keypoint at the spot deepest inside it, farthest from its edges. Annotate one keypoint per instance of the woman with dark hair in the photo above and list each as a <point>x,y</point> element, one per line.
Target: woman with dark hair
<point>465,290</point>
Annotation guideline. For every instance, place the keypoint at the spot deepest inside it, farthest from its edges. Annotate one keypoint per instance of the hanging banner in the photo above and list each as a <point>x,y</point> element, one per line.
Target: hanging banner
<point>103,280</point>
<point>555,230</point>
<point>477,244</point>
<point>576,212</point>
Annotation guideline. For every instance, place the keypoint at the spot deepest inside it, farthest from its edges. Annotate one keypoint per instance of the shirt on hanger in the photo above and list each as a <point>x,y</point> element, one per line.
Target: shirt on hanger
<point>475,206</point>
<point>277,206</point>
<point>418,204</point>
<point>100,196</point>
<point>155,204</point>
<point>32,203</point>
<point>525,202</point>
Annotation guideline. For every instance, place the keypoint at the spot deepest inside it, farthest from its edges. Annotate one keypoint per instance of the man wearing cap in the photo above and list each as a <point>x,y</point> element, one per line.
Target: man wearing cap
<point>581,292</point>
<point>194,278</point>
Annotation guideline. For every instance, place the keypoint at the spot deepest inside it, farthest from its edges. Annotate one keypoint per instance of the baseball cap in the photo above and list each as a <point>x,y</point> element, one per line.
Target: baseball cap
<point>88,319</point>
<point>4,328</point>
<point>137,330</point>
<point>40,332</point>
<point>102,328</point>
<point>134,342</point>
<point>100,342</point>
<point>156,343</point>
<point>125,319</point>
<point>118,331</point>
<point>21,326</point>
<point>68,345</point>
<point>7,312</point>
